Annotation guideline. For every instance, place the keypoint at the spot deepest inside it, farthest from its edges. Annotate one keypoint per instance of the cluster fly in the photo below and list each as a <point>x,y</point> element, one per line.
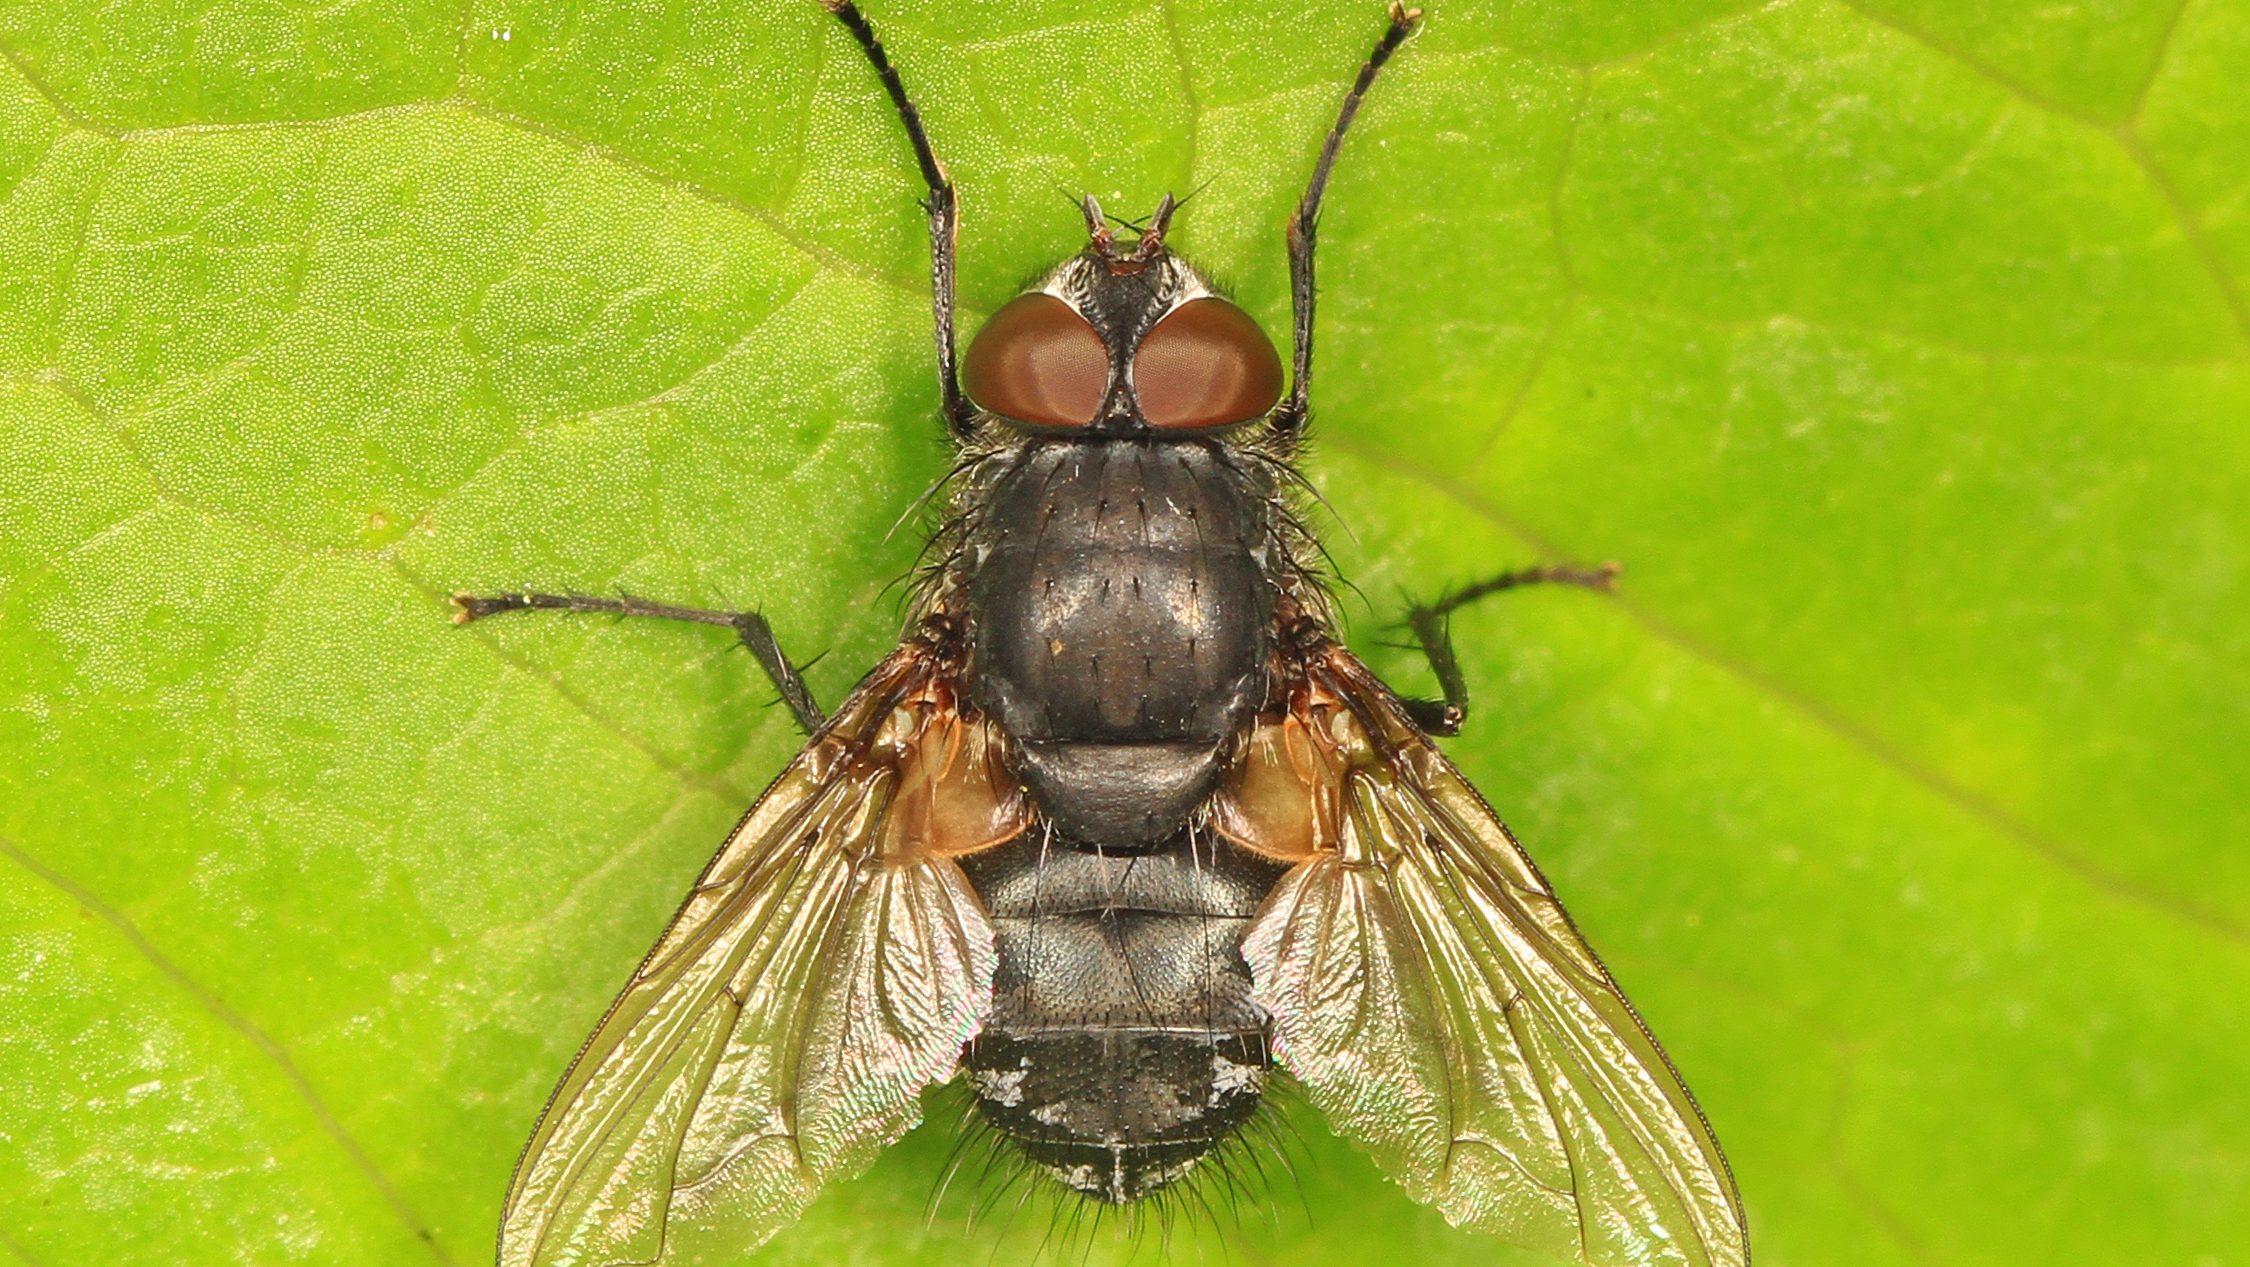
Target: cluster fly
<point>1121,836</point>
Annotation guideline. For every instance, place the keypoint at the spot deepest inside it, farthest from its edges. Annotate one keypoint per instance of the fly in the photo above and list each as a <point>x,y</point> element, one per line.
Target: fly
<point>1119,835</point>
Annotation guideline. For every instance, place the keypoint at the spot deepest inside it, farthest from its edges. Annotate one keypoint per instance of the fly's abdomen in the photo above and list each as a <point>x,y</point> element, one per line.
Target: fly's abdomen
<point>1123,1044</point>
<point>1118,1112</point>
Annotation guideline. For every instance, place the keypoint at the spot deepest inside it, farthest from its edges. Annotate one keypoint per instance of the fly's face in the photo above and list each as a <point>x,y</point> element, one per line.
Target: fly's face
<point>1120,341</point>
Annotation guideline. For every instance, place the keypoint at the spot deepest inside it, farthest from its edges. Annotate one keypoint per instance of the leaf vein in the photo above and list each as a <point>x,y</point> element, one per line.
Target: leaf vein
<point>1977,65</point>
<point>2162,53</point>
<point>261,1041</point>
<point>1169,11</point>
<point>789,234</point>
<point>69,113</point>
<point>2122,132</point>
<point>2191,228</point>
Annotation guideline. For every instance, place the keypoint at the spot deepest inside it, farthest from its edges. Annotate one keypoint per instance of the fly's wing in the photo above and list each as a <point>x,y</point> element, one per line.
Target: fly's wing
<point>1440,1008</point>
<point>828,966</point>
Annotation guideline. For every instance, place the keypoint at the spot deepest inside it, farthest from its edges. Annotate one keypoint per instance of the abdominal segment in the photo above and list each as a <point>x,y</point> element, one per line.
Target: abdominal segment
<point>1122,1045</point>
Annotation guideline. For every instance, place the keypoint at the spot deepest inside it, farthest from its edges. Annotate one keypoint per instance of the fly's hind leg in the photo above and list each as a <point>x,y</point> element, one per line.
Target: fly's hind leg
<point>748,626</point>
<point>1431,624</point>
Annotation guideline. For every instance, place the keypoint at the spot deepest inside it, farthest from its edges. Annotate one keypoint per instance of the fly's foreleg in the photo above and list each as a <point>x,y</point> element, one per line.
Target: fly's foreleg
<point>748,626</point>
<point>1304,225</point>
<point>941,204</point>
<point>1431,624</point>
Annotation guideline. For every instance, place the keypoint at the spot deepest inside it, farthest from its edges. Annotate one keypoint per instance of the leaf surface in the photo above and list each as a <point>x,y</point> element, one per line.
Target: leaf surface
<point>1899,349</point>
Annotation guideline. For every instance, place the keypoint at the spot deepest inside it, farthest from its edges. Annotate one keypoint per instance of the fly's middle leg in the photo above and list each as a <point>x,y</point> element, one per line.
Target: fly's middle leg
<point>748,626</point>
<point>1431,624</point>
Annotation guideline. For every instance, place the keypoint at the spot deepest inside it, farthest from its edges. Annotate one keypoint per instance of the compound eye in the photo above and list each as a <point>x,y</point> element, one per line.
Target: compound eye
<point>1037,361</point>
<point>1206,364</point>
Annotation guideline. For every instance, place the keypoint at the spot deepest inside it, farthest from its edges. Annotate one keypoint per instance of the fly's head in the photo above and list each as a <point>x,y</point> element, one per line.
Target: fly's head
<point>1123,339</point>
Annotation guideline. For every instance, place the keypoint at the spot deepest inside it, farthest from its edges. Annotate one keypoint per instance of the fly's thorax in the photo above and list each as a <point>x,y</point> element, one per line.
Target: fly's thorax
<point>1120,597</point>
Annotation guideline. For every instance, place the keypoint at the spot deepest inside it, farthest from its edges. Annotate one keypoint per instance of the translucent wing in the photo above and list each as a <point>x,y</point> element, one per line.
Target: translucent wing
<point>1438,1005</point>
<point>828,965</point>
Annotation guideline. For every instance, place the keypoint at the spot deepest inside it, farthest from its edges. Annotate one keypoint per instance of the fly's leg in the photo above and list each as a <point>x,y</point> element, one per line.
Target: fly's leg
<point>1304,225</point>
<point>945,222</point>
<point>1431,624</point>
<point>750,627</point>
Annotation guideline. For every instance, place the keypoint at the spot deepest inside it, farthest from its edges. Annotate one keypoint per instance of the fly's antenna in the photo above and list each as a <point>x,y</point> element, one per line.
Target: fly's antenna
<point>1097,224</point>
<point>1159,222</point>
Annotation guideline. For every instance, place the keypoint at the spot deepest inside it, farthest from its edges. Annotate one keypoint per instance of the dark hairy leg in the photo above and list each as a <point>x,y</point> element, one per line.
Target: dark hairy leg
<point>750,627</point>
<point>1304,225</point>
<point>1431,625</point>
<point>945,220</point>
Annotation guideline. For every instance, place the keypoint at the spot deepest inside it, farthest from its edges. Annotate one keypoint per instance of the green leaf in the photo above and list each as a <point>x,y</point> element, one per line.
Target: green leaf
<point>1899,349</point>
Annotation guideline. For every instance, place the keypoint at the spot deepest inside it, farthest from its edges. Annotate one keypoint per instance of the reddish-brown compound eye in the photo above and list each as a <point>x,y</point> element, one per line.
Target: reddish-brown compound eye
<point>1206,364</point>
<point>1037,361</point>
